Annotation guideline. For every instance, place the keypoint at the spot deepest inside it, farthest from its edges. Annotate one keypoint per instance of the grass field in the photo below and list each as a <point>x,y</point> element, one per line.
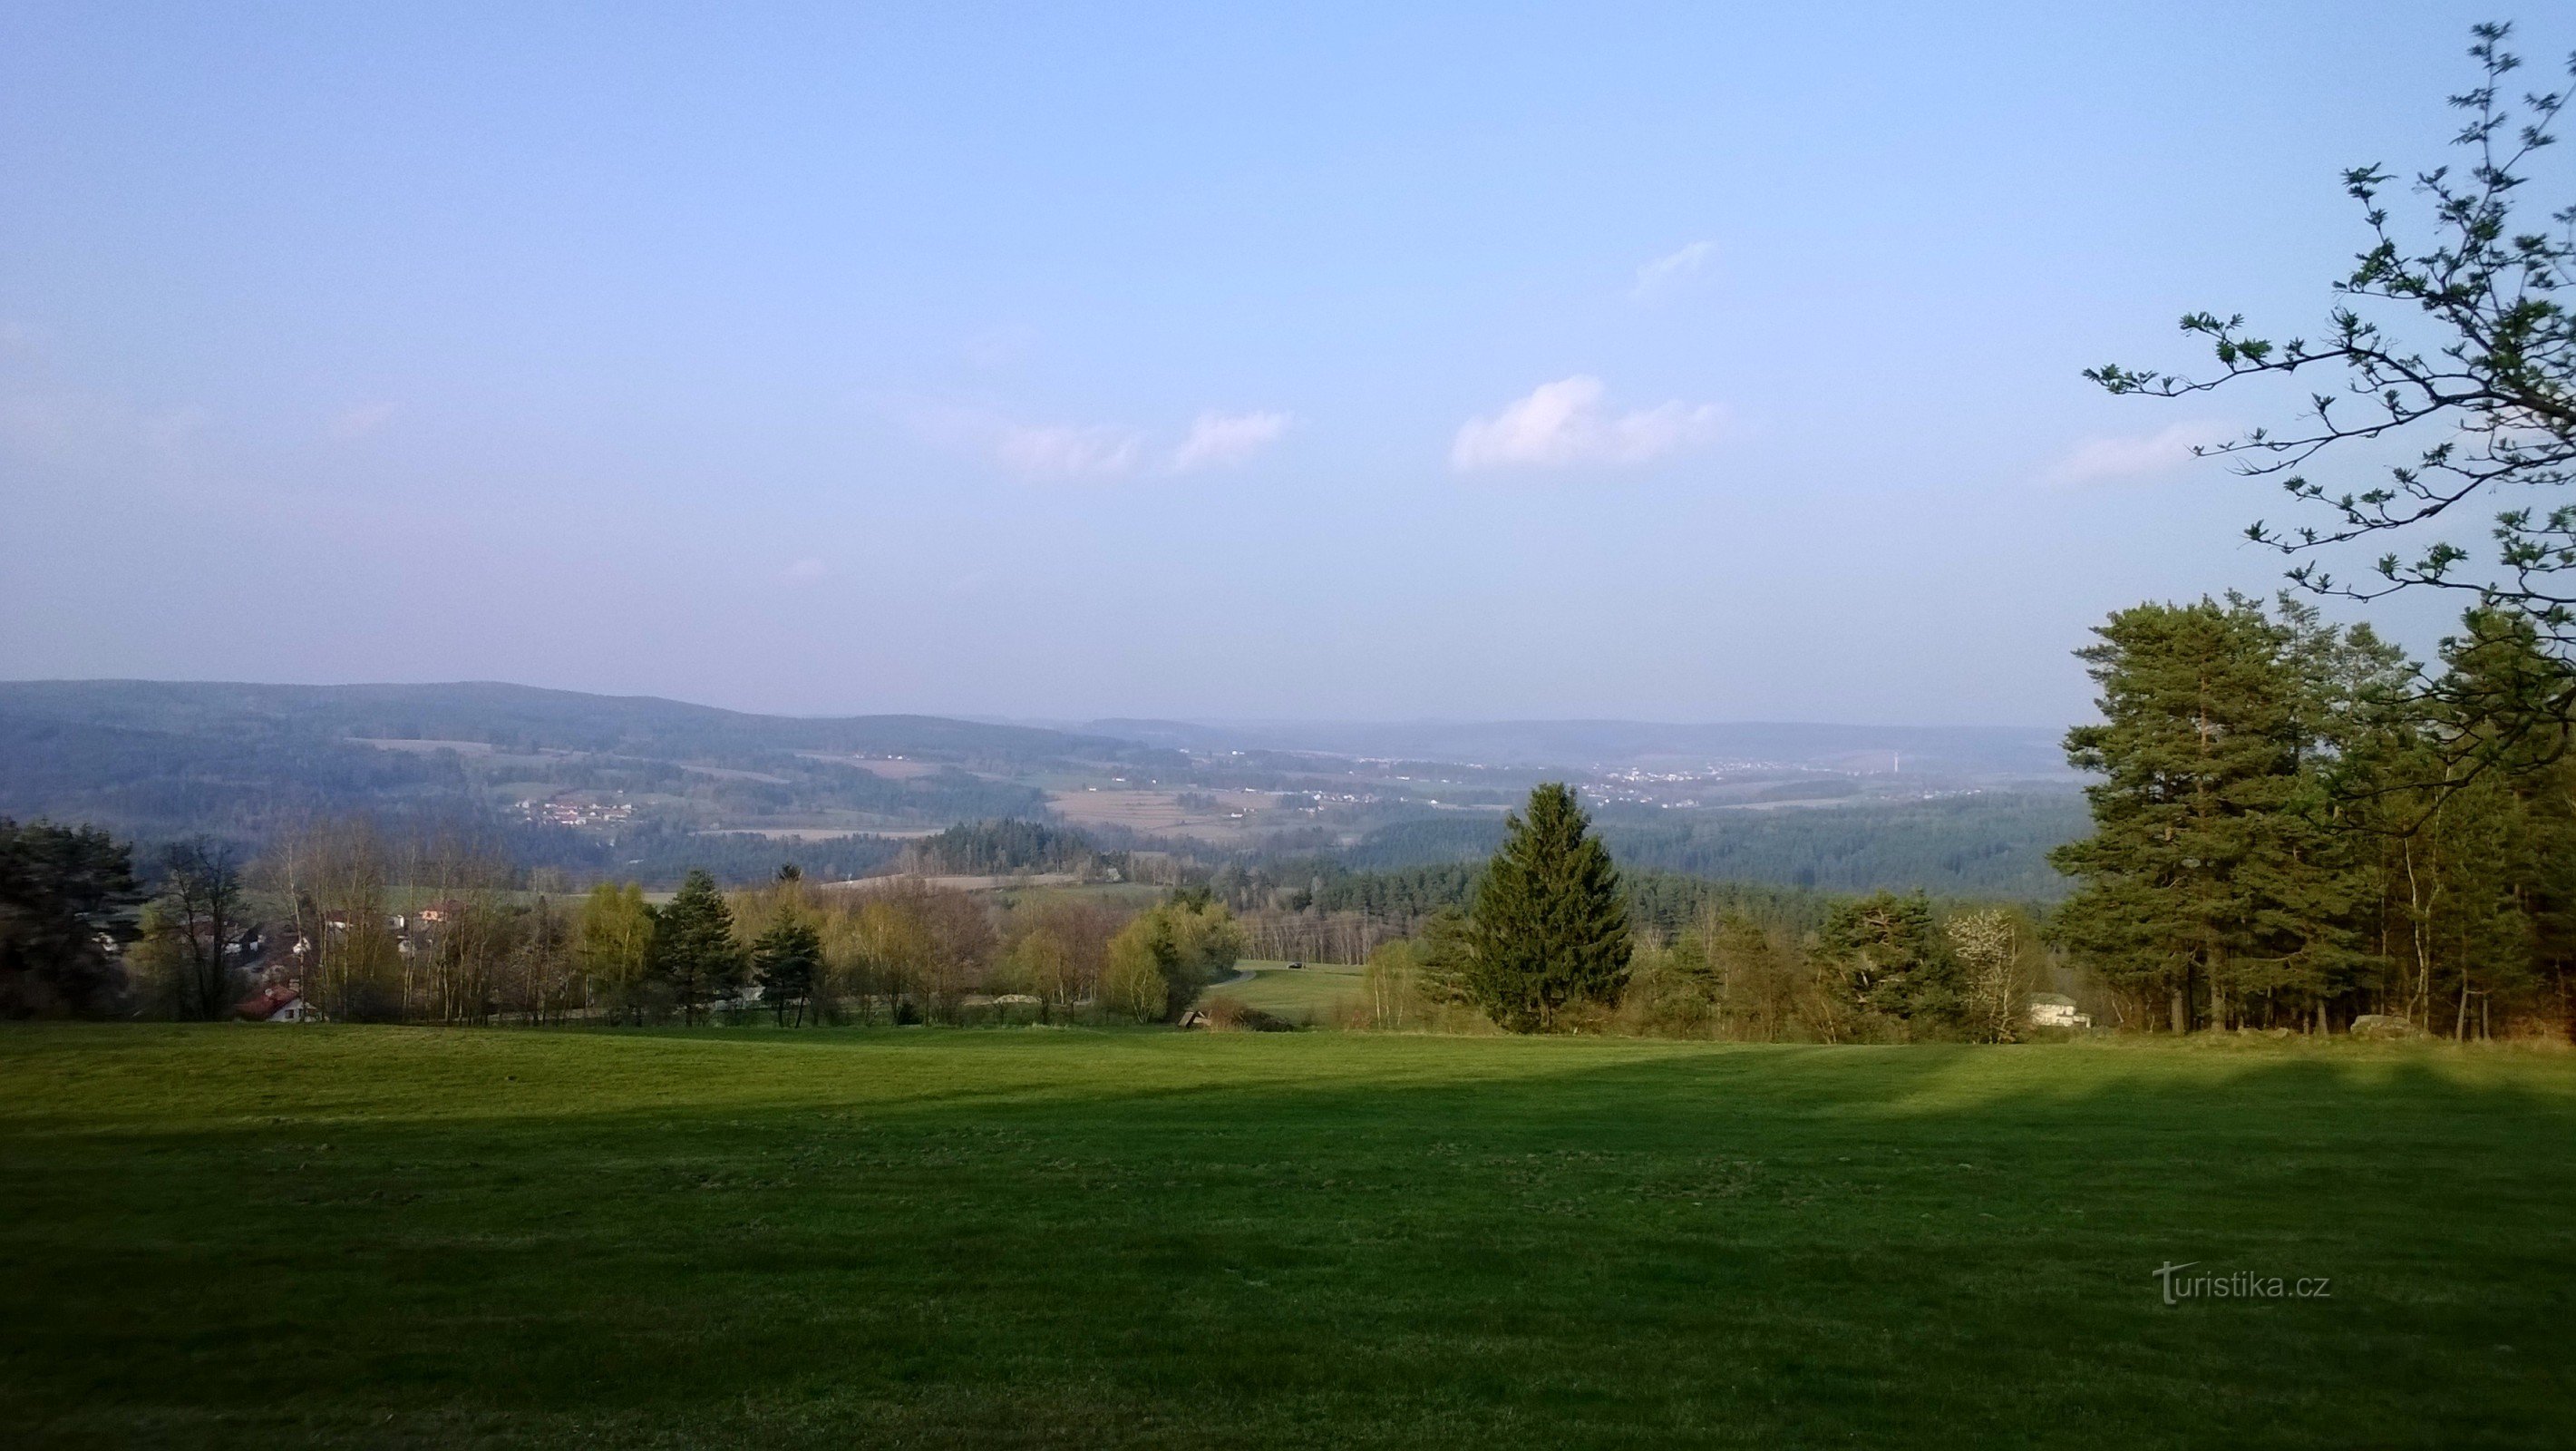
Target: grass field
<point>1310,994</point>
<point>260,1236</point>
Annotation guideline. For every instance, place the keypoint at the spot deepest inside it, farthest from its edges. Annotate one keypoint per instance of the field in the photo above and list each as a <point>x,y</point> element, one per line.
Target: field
<point>1309,994</point>
<point>1142,810</point>
<point>257,1236</point>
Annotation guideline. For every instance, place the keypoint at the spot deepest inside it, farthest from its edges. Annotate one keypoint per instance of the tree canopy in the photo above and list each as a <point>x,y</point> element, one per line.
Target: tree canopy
<point>2486,391</point>
<point>67,902</point>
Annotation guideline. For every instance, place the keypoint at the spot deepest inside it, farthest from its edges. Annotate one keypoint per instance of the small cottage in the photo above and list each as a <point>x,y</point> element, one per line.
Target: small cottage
<point>276,1003</point>
<point>2056,1010</point>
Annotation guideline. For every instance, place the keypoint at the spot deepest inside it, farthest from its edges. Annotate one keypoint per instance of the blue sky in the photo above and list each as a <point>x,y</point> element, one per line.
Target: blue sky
<point>1687,363</point>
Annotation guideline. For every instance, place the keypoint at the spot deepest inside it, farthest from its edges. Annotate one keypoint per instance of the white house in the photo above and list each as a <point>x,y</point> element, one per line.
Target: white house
<point>276,1003</point>
<point>2056,1010</point>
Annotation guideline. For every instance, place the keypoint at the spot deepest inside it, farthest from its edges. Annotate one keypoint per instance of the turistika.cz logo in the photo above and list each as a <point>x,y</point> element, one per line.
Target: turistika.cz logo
<point>2239,1285</point>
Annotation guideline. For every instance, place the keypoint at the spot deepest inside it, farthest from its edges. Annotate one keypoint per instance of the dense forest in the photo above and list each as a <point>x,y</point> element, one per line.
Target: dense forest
<point>1001,848</point>
<point>1993,844</point>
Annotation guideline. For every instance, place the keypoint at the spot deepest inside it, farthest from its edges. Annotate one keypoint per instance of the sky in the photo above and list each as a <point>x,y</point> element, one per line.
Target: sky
<point>1378,361</point>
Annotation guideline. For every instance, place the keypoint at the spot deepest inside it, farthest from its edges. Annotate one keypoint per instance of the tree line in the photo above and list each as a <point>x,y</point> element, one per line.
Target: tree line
<point>905,952</point>
<point>2286,832</point>
<point>2295,822</point>
<point>377,927</point>
<point>1549,940</point>
<point>370,927</point>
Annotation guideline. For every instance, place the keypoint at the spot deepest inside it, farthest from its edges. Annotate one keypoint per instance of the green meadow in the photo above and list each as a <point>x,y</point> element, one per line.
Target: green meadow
<point>1309,994</point>
<point>266,1236</point>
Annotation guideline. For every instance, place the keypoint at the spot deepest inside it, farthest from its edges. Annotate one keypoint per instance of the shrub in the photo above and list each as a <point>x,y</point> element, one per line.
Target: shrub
<point>1226,1015</point>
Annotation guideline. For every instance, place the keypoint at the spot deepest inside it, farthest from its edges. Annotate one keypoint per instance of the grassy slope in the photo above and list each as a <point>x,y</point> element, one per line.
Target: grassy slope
<point>1303,995</point>
<point>261,1236</point>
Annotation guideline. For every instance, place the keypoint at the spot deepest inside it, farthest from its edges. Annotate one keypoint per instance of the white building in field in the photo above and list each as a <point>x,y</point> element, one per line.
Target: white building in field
<point>276,1003</point>
<point>2056,1010</point>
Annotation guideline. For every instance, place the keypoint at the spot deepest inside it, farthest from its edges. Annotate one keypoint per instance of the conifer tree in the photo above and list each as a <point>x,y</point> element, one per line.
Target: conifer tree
<point>784,961</point>
<point>2213,875</point>
<point>2479,862</point>
<point>1550,927</point>
<point>1888,958</point>
<point>693,947</point>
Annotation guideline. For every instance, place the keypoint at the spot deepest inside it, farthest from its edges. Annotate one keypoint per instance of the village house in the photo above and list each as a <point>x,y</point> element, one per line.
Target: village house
<point>2056,1010</point>
<point>279,1002</point>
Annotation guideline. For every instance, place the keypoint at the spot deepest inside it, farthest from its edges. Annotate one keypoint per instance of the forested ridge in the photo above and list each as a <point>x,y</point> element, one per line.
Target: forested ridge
<point>1985,844</point>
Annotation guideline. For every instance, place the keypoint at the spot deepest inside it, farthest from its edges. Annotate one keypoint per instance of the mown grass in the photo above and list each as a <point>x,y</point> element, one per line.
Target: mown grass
<point>1310,994</point>
<point>375,1236</point>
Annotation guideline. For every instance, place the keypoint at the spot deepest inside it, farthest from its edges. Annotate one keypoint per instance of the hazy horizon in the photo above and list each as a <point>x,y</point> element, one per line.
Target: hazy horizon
<point>1066,723</point>
<point>1304,364</point>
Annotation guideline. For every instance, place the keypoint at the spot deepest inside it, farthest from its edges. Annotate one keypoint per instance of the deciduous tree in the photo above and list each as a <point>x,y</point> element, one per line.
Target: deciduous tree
<point>201,911</point>
<point>2454,340</point>
<point>615,947</point>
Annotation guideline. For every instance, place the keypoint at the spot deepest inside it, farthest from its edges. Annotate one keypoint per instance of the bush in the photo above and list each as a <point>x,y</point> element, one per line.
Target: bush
<point>1225,1015</point>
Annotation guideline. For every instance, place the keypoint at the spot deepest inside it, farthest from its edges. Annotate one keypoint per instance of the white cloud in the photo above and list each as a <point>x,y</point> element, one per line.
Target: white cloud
<point>1655,276</point>
<point>1563,423</point>
<point>358,422</point>
<point>1091,451</point>
<point>1219,440</point>
<point>806,571</point>
<point>1062,451</point>
<point>2132,455</point>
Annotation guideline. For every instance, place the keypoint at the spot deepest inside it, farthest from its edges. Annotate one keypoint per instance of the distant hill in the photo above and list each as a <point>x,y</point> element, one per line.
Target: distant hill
<point>525,717</point>
<point>1965,751</point>
<point>160,759</point>
<point>641,786</point>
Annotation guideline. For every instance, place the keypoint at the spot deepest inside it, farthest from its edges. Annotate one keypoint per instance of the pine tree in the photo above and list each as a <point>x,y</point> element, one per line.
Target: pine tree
<point>1889,960</point>
<point>2480,867</point>
<point>693,946</point>
<point>2213,877</point>
<point>784,961</point>
<point>1550,927</point>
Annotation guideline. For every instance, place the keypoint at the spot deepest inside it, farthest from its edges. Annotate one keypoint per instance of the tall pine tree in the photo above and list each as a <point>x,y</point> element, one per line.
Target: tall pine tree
<point>2213,877</point>
<point>693,947</point>
<point>1550,927</point>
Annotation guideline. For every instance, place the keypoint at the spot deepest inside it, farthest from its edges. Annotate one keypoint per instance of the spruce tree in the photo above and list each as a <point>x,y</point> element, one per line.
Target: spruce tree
<point>693,947</point>
<point>1550,926</point>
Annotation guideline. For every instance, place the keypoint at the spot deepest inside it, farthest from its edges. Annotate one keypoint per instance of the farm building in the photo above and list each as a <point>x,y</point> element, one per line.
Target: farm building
<point>2056,1010</point>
